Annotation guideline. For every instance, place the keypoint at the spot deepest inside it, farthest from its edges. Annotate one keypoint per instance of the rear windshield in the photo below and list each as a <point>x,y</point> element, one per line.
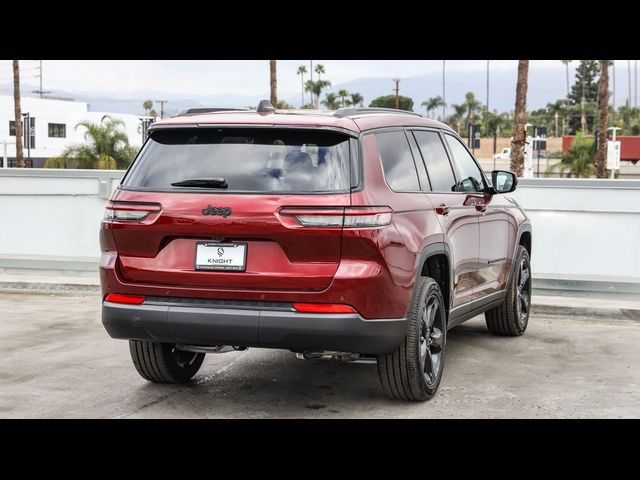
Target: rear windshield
<point>249,160</point>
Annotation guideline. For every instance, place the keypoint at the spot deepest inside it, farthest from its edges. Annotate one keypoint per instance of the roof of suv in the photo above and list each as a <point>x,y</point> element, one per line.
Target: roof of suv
<point>353,119</point>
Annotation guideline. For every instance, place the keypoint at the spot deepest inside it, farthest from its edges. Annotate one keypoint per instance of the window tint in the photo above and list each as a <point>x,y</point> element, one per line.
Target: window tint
<point>470,176</point>
<point>437,162</point>
<point>397,161</point>
<point>250,160</point>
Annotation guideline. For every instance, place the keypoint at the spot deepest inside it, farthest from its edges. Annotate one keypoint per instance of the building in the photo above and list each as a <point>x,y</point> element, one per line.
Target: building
<point>53,127</point>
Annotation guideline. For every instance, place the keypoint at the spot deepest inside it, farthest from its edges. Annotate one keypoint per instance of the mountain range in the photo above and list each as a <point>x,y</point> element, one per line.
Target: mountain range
<point>544,87</point>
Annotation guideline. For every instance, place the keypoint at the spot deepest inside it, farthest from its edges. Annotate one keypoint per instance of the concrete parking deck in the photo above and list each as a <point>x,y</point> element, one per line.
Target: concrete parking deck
<point>60,363</point>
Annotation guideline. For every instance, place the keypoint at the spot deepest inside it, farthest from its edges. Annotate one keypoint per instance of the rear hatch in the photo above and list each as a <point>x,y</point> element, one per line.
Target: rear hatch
<point>216,207</point>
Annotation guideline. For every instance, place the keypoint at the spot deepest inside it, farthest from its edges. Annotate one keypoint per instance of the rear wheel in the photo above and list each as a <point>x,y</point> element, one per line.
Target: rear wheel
<point>163,362</point>
<point>512,317</point>
<point>413,372</point>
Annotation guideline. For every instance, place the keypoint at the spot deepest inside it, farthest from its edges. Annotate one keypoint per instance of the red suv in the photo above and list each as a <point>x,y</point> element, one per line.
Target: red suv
<point>356,233</point>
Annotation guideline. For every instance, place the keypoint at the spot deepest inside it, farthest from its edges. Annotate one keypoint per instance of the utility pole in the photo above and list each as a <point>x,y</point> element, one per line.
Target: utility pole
<point>555,116</point>
<point>311,75</point>
<point>444,102</point>
<point>629,70</point>
<point>613,110</point>
<point>635,74</point>
<point>40,91</point>
<point>488,86</point>
<point>161,102</point>
<point>397,90</point>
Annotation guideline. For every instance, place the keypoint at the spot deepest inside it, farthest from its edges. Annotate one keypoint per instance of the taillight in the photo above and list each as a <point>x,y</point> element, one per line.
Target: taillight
<point>323,308</point>
<point>129,212</point>
<point>121,298</point>
<point>349,217</point>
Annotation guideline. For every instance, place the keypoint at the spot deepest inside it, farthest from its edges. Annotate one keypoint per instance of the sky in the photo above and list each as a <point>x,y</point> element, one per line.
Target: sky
<point>247,76</point>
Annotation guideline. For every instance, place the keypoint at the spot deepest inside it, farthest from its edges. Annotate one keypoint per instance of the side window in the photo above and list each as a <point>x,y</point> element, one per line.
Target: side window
<point>436,160</point>
<point>471,179</point>
<point>397,161</point>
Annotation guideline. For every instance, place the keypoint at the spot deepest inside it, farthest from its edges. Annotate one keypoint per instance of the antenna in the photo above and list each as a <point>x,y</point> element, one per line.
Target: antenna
<point>265,107</point>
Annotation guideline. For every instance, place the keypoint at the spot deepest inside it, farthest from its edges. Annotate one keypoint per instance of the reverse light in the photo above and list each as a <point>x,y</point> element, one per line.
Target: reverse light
<point>349,217</point>
<point>128,299</point>
<point>323,308</point>
<point>129,212</point>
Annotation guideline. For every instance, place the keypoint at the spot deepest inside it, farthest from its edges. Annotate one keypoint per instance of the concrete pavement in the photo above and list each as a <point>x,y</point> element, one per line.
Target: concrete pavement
<point>60,363</point>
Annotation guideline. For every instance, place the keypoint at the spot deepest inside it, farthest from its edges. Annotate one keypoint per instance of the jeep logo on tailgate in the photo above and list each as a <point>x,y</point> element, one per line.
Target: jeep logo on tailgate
<point>224,211</point>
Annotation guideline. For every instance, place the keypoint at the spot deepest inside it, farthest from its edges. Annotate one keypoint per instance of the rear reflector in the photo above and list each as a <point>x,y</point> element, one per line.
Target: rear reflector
<point>129,299</point>
<point>349,217</point>
<point>323,308</point>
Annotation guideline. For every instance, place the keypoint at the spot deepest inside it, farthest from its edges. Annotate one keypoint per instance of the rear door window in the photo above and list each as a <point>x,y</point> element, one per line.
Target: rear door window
<point>260,160</point>
<point>436,160</point>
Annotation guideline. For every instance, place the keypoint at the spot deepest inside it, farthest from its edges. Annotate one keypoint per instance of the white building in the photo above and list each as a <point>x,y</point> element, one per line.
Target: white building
<point>54,126</point>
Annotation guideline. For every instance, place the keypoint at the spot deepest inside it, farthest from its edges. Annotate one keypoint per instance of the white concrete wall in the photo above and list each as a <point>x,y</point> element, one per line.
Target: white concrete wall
<point>585,228</point>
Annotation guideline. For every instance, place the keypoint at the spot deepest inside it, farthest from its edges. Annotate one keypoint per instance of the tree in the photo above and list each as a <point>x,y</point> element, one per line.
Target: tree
<point>433,103</point>
<point>578,160</point>
<point>455,119</point>
<point>566,64</point>
<point>282,105</point>
<point>472,107</point>
<point>356,100</point>
<point>147,105</point>
<point>584,93</point>
<point>301,71</point>
<point>343,94</point>
<point>273,82</point>
<point>153,113</point>
<point>520,120</point>
<point>330,101</point>
<point>18,114</point>
<point>316,87</point>
<point>107,147</point>
<point>389,101</point>
<point>319,69</point>
<point>603,106</point>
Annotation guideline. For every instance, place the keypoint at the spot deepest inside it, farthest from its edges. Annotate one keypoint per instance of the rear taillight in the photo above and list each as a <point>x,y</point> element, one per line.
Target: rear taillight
<point>129,212</point>
<point>323,308</point>
<point>349,217</point>
<point>121,298</point>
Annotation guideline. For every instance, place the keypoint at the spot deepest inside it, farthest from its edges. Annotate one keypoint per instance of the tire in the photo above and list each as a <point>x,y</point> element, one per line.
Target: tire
<point>163,363</point>
<point>512,317</point>
<point>413,372</point>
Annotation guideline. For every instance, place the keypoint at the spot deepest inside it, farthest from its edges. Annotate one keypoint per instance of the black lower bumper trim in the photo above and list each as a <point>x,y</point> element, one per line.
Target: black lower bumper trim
<point>296,331</point>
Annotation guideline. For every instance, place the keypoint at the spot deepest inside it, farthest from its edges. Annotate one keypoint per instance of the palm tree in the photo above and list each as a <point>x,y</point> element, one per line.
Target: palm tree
<point>432,103</point>
<point>520,120</point>
<point>273,82</point>
<point>566,64</point>
<point>319,70</point>
<point>603,101</point>
<point>458,113</point>
<point>316,87</point>
<point>473,106</point>
<point>147,105</point>
<point>301,71</point>
<point>330,101</point>
<point>578,161</point>
<point>343,94</point>
<point>356,99</point>
<point>18,115</point>
<point>107,147</point>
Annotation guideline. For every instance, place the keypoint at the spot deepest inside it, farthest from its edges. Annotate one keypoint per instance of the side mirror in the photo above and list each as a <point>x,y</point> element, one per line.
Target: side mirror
<point>503,181</point>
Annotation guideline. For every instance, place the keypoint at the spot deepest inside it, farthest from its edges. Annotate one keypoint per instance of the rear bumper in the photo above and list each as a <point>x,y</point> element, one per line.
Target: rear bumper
<point>253,327</point>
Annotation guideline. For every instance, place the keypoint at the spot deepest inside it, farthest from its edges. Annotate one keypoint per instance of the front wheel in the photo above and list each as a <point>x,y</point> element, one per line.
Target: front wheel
<point>163,362</point>
<point>512,317</point>
<point>413,372</point>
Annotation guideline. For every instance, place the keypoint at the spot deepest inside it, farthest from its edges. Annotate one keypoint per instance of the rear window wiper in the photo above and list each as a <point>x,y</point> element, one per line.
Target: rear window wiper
<point>216,182</point>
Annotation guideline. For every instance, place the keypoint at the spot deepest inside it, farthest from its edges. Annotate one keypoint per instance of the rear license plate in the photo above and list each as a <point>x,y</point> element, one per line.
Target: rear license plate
<point>221,256</point>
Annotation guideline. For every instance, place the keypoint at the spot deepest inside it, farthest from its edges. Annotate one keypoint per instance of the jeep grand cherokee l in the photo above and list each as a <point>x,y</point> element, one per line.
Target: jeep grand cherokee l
<point>365,231</point>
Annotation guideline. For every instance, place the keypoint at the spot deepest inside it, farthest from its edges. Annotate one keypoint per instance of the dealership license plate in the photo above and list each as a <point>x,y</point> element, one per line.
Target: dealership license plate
<point>221,256</point>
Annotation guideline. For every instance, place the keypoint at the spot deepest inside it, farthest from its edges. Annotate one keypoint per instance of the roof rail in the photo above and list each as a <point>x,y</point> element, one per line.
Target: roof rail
<point>351,111</point>
<point>196,111</point>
